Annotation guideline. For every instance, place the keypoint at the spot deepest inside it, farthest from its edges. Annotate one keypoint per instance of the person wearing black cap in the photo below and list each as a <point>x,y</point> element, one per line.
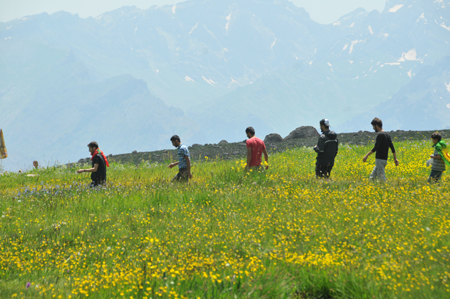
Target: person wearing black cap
<point>326,149</point>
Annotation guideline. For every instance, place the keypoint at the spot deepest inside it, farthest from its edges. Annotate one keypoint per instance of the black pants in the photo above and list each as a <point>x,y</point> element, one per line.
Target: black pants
<point>323,170</point>
<point>96,183</point>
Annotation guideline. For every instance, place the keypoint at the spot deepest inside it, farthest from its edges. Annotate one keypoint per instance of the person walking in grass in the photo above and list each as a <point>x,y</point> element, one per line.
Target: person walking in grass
<point>184,161</point>
<point>439,158</point>
<point>99,164</point>
<point>255,149</point>
<point>382,145</point>
<point>326,149</point>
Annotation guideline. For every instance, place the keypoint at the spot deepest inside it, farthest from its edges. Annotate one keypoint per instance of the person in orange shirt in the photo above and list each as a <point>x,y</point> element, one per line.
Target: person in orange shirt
<point>255,149</point>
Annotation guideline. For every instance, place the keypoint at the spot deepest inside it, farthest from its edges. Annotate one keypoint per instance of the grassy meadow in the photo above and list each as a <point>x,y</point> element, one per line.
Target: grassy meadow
<point>229,233</point>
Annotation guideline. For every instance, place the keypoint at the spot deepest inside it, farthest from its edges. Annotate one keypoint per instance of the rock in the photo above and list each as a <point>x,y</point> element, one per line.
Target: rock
<point>134,152</point>
<point>303,132</point>
<point>195,145</point>
<point>242,144</point>
<point>223,142</point>
<point>235,153</point>
<point>272,138</point>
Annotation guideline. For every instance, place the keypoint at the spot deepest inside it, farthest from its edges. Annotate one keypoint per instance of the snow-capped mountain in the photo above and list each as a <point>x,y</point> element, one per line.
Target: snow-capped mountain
<point>205,69</point>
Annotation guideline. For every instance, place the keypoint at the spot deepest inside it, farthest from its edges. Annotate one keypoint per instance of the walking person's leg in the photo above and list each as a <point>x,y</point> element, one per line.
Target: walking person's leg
<point>317,170</point>
<point>329,168</point>
<point>184,175</point>
<point>176,177</point>
<point>435,176</point>
<point>381,165</point>
<point>374,174</point>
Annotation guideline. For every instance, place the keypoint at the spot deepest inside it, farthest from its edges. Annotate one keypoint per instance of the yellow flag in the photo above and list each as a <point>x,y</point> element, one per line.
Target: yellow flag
<point>3,151</point>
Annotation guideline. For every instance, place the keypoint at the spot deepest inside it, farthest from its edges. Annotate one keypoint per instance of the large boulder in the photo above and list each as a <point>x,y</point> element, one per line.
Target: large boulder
<point>273,138</point>
<point>303,132</point>
<point>223,142</point>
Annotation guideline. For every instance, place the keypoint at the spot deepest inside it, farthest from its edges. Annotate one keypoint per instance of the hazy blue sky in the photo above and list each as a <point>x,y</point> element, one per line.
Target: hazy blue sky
<point>322,11</point>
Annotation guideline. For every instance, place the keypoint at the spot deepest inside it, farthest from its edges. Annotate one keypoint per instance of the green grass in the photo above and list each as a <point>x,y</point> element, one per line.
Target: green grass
<point>229,234</point>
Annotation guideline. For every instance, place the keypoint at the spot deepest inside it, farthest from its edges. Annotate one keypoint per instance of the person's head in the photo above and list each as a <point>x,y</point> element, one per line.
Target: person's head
<point>250,132</point>
<point>93,146</point>
<point>377,124</point>
<point>176,141</point>
<point>324,125</point>
<point>35,164</point>
<point>436,137</point>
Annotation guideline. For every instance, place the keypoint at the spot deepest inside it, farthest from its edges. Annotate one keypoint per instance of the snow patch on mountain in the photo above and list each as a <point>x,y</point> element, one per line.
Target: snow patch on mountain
<point>192,30</point>
<point>395,8</point>
<point>273,44</point>
<point>189,79</point>
<point>441,2</point>
<point>174,8</point>
<point>448,86</point>
<point>410,74</point>
<point>233,82</point>
<point>210,32</point>
<point>227,26</point>
<point>209,81</point>
<point>353,44</point>
<point>370,30</point>
<point>421,17</point>
<point>443,26</point>
<point>410,55</point>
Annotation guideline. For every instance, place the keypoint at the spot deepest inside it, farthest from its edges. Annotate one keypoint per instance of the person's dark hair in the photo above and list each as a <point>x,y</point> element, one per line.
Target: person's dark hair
<point>175,137</point>
<point>325,122</point>
<point>93,144</point>
<point>250,130</point>
<point>377,122</point>
<point>436,136</point>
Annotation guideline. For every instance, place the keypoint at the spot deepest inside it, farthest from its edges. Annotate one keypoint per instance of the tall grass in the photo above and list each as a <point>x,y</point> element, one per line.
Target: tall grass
<point>228,233</point>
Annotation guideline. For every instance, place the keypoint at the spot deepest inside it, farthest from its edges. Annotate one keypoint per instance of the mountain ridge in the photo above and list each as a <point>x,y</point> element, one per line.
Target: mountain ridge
<point>210,68</point>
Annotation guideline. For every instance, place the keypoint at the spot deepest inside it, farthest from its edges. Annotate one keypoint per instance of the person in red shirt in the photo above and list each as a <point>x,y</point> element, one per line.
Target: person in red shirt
<point>255,148</point>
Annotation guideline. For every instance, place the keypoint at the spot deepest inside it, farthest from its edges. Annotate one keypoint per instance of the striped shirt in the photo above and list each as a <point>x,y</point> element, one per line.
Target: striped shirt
<point>438,164</point>
<point>182,153</point>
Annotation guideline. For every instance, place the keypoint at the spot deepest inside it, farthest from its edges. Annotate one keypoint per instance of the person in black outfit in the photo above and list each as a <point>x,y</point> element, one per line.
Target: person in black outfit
<point>99,163</point>
<point>326,149</point>
<point>382,145</point>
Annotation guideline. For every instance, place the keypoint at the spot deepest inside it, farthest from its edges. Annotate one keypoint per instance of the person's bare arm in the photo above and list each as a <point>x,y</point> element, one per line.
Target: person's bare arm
<point>173,164</point>
<point>249,157</point>
<point>395,159</point>
<point>188,163</point>
<point>93,169</point>
<point>266,156</point>
<point>367,156</point>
